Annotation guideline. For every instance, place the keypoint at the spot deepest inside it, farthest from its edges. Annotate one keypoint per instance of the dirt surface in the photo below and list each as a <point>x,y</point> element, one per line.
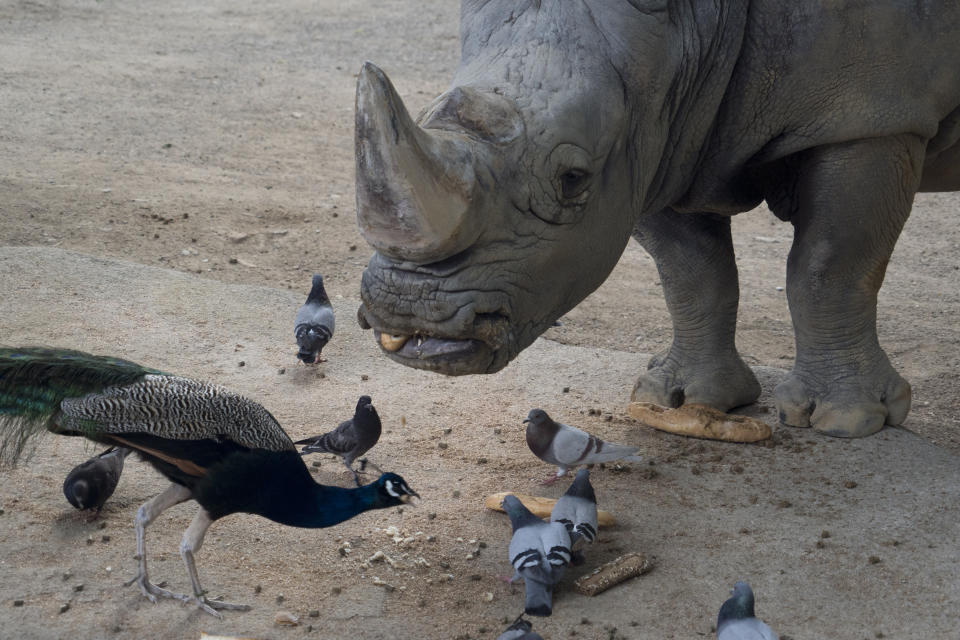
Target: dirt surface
<point>215,139</point>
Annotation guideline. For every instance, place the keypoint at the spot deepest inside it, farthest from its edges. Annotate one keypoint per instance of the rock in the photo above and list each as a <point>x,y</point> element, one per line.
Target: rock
<point>285,619</point>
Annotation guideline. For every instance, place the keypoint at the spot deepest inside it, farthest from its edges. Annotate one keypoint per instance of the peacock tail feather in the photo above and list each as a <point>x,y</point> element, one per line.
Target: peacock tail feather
<point>35,380</point>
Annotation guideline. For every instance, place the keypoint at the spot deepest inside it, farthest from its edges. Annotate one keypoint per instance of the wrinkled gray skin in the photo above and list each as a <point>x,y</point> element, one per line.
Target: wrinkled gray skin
<point>571,125</point>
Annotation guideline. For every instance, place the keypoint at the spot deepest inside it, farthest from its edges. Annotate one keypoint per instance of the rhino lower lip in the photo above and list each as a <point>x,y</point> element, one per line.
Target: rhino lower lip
<point>420,347</point>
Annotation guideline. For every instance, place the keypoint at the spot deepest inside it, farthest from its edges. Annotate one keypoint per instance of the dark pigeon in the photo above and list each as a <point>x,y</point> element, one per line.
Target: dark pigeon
<point>737,621</point>
<point>351,439</point>
<point>91,483</point>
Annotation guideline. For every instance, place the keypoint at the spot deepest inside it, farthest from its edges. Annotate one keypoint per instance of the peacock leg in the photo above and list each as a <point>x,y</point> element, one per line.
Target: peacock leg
<point>191,543</point>
<point>174,494</point>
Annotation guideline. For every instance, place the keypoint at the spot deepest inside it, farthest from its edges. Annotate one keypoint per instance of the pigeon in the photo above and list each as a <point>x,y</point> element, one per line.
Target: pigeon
<point>90,483</point>
<point>577,510</point>
<point>314,324</point>
<point>351,439</point>
<point>567,446</point>
<point>539,553</point>
<point>736,620</point>
<point>519,630</point>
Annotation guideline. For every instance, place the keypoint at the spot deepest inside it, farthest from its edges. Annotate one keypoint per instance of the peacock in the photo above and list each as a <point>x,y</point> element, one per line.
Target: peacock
<point>216,447</point>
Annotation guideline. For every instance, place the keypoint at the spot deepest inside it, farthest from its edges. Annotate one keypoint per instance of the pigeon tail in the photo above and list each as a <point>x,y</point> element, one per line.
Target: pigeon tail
<point>539,599</point>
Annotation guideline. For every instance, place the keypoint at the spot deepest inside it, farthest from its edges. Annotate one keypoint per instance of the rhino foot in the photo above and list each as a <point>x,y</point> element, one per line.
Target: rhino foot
<point>722,382</point>
<point>846,406</point>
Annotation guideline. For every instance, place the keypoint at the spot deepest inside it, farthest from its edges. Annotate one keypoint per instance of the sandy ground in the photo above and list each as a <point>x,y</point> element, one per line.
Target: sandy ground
<point>215,140</point>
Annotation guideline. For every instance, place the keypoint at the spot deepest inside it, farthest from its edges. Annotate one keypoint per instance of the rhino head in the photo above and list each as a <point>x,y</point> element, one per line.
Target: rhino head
<point>514,193</point>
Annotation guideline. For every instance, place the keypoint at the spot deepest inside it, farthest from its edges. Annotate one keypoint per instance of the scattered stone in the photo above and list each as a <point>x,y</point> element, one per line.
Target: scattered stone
<point>696,471</point>
<point>281,371</point>
<point>67,575</point>
<point>18,603</point>
<point>316,463</point>
<point>482,544</point>
<point>364,377</point>
<point>481,461</point>
<point>257,589</point>
<point>78,587</point>
<point>820,544</point>
<point>285,619</point>
<point>824,534</point>
<point>231,260</point>
<point>431,538</point>
<point>784,504</point>
<point>874,559</point>
<point>476,577</point>
<point>447,431</point>
<point>241,364</point>
<point>584,621</point>
<point>314,613</point>
<point>497,431</point>
<point>456,493</point>
<point>566,389</point>
<point>850,484</point>
<point>442,445</point>
<point>105,538</point>
<point>102,525</point>
<point>65,607</point>
<point>431,516</point>
<point>488,596</point>
<point>422,602</point>
<point>280,598</point>
<point>89,539</point>
<point>336,591</point>
<point>383,583</point>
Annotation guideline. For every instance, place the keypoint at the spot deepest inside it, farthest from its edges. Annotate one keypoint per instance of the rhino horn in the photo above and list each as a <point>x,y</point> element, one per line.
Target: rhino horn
<point>414,186</point>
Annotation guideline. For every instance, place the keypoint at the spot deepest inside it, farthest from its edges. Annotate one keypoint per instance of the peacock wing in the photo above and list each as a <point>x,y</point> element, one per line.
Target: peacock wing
<point>175,408</point>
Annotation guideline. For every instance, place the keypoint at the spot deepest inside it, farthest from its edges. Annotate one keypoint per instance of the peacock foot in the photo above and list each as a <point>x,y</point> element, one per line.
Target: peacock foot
<point>152,591</point>
<point>211,606</point>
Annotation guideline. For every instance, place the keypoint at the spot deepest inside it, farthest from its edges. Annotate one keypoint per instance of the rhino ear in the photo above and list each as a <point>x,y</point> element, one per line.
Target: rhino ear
<point>414,188</point>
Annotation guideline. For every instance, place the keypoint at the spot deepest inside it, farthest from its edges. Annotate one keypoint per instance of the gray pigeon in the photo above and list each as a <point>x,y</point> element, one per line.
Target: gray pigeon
<point>90,483</point>
<point>567,446</point>
<point>351,439</point>
<point>736,620</point>
<point>314,323</point>
<point>539,553</point>
<point>577,509</point>
<point>519,630</point>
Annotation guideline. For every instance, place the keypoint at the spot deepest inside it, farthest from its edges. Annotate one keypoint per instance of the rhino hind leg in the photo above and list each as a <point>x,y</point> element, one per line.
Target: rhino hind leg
<point>694,255</point>
<point>849,204</point>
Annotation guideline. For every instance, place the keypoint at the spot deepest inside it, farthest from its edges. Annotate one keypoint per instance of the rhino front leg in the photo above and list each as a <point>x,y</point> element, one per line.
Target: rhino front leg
<point>694,255</point>
<point>848,207</point>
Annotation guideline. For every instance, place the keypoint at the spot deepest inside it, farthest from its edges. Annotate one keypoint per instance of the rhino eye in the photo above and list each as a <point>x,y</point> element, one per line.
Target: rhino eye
<point>573,182</point>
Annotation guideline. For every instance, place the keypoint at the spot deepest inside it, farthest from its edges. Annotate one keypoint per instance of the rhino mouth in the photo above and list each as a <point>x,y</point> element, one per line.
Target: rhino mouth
<point>483,352</point>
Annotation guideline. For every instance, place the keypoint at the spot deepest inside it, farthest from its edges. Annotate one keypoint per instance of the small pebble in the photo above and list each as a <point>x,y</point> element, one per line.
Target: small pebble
<point>280,598</point>
<point>241,364</point>
<point>257,589</point>
<point>18,603</point>
<point>286,619</point>
<point>850,484</point>
<point>105,538</point>
<point>566,389</point>
<point>874,559</point>
<point>482,630</point>
<point>584,621</point>
<point>89,539</point>
<point>456,494</point>
<point>231,260</point>
<point>497,431</point>
<point>364,377</point>
<point>476,577</point>
<point>431,538</point>
<point>282,371</point>
<point>422,602</point>
<point>1,511</point>
<point>784,504</point>
<point>431,516</point>
<point>447,431</point>
<point>336,591</point>
<point>442,445</point>
<point>481,461</point>
<point>102,525</point>
<point>482,544</point>
<point>78,587</point>
<point>316,463</point>
<point>824,534</point>
<point>65,607</point>
<point>67,575</point>
<point>820,544</point>
<point>314,613</point>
